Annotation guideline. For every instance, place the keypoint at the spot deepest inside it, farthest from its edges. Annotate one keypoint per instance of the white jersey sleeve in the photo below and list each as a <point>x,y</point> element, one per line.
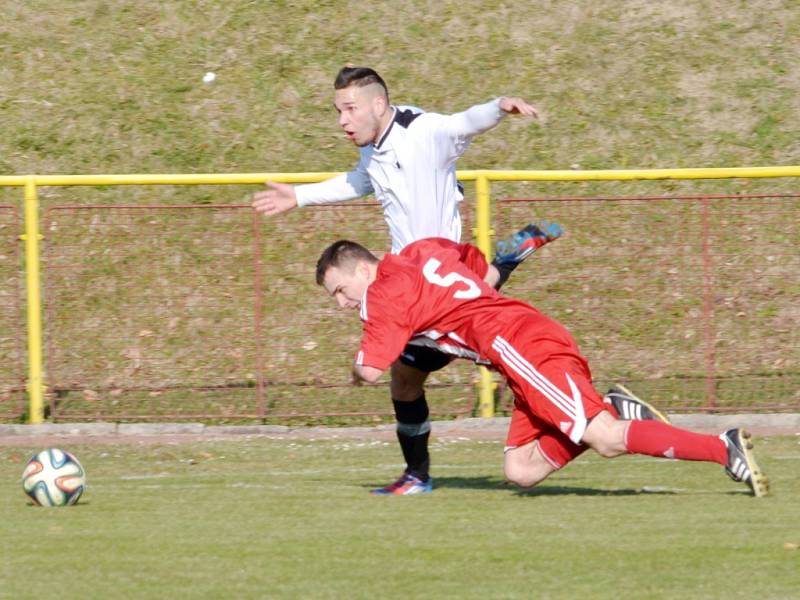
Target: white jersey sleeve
<point>350,185</point>
<point>476,119</point>
<point>455,132</point>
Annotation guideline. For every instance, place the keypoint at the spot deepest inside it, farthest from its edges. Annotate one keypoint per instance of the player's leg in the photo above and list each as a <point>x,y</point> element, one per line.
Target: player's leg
<point>533,449</point>
<point>412,414</point>
<point>408,375</point>
<point>558,389</point>
<point>512,251</point>
<point>527,465</point>
<point>611,437</point>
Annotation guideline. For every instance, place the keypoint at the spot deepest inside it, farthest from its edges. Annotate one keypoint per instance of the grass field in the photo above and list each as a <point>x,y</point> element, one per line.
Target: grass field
<point>116,86</point>
<point>275,518</point>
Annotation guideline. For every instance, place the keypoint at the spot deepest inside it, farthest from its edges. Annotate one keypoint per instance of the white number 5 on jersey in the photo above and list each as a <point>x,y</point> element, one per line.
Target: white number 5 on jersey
<point>450,279</point>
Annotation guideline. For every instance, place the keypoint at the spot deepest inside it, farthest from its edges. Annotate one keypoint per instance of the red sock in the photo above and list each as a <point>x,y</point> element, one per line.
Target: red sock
<point>655,438</point>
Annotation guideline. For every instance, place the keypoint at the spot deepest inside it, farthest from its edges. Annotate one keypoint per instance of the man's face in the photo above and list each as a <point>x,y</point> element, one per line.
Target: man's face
<point>346,285</point>
<point>360,111</point>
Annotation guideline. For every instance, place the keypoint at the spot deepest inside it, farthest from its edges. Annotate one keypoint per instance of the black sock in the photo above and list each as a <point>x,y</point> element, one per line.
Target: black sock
<point>413,431</point>
<point>505,270</point>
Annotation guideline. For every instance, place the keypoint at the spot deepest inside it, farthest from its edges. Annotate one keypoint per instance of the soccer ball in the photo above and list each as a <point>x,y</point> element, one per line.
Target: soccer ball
<point>54,477</point>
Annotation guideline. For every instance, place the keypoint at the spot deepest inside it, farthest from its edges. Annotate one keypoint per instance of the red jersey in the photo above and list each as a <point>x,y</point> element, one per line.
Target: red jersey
<point>434,288</point>
<point>430,290</point>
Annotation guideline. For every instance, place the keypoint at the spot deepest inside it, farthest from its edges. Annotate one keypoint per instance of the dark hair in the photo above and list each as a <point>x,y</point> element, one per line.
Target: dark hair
<point>359,77</point>
<point>340,254</point>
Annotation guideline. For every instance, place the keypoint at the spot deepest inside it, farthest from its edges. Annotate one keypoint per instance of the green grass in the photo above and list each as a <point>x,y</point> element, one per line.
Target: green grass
<point>115,86</point>
<point>276,518</point>
<point>100,86</point>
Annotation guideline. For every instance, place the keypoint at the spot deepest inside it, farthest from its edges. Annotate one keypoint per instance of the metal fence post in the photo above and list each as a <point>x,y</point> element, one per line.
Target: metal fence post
<point>483,233</point>
<point>31,238</point>
<point>708,309</point>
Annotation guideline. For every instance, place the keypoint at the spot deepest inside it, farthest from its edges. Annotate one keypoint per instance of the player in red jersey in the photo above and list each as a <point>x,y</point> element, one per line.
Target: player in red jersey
<point>408,161</point>
<point>434,288</point>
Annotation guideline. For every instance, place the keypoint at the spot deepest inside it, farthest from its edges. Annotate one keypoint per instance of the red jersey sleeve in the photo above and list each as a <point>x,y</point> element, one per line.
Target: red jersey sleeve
<point>386,328</point>
<point>473,258</point>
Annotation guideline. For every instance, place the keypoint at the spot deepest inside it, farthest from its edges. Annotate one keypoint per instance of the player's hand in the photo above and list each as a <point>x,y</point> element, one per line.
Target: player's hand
<point>365,374</point>
<point>279,199</point>
<point>518,106</point>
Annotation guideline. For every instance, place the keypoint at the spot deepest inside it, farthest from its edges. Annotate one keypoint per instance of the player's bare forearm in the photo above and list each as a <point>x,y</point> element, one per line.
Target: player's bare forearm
<point>366,374</point>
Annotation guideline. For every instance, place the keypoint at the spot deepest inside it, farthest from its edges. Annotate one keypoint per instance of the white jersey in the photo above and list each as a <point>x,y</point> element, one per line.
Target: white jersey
<point>412,172</point>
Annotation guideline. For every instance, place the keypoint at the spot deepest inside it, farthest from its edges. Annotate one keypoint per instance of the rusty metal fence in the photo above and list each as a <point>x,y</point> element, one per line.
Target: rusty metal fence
<point>12,358</point>
<point>693,301</point>
<point>187,312</point>
<point>152,311</point>
<point>207,311</point>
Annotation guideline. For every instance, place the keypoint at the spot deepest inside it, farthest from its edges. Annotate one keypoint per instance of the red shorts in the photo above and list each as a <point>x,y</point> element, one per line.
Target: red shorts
<point>553,391</point>
<point>555,446</point>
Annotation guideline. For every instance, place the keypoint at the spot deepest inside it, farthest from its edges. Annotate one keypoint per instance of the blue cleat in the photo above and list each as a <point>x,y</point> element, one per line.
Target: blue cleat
<point>407,485</point>
<point>515,249</point>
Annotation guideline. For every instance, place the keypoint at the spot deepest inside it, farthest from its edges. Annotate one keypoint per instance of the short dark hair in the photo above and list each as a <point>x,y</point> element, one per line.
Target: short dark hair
<point>341,254</point>
<point>359,77</point>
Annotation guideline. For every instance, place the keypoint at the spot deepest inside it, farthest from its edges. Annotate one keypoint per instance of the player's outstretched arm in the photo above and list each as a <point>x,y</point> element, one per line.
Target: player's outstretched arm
<point>483,117</point>
<point>279,199</point>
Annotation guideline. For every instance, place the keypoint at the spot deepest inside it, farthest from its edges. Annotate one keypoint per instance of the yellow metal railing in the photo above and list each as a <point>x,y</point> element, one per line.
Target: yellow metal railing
<point>482,233</point>
<point>34,299</point>
<point>35,384</point>
<point>483,237</point>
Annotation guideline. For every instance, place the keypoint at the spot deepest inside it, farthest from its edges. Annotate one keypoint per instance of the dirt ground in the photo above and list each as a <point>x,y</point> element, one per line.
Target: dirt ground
<point>476,428</point>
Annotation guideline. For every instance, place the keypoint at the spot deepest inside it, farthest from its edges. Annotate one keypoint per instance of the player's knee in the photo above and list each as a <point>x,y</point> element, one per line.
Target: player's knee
<point>526,476</point>
<point>526,467</point>
<point>523,477</point>
<point>407,383</point>
<point>407,391</point>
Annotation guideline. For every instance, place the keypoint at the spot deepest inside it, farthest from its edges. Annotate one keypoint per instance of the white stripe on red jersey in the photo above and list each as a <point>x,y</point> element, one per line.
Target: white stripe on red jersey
<point>570,406</point>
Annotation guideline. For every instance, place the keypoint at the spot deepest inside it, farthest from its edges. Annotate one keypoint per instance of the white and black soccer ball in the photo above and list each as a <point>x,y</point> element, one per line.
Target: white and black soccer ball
<point>54,477</point>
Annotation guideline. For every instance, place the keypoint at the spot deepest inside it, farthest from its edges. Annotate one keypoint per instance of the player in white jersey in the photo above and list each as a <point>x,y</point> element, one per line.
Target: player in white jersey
<point>407,160</point>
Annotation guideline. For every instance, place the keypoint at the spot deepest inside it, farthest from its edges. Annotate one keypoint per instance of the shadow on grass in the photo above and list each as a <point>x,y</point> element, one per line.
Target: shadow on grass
<point>493,483</point>
<point>475,483</point>
<point>78,504</point>
<point>561,490</point>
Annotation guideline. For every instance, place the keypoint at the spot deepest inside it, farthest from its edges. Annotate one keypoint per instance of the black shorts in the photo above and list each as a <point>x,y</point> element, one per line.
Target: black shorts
<point>424,358</point>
